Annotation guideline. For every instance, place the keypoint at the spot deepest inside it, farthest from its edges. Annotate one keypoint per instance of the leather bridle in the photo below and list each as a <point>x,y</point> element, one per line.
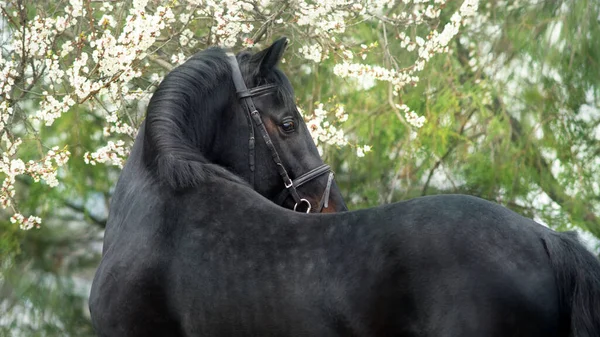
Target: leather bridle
<point>253,117</point>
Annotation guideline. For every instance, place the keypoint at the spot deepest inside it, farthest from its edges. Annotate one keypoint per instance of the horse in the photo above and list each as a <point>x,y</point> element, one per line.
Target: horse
<point>221,259</point>
<point>195,127</point>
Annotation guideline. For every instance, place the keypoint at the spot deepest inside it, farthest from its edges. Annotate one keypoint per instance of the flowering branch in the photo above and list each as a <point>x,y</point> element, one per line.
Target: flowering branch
<point>100,58</point>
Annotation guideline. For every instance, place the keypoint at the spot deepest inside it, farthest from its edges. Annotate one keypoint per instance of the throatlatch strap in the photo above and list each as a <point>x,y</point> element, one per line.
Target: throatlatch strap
<point>324,203</point>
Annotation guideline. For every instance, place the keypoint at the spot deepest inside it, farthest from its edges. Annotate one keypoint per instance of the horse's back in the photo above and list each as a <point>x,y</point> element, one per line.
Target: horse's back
<point>447,266</point>
<point>442,266</point>
<point>469,268</point>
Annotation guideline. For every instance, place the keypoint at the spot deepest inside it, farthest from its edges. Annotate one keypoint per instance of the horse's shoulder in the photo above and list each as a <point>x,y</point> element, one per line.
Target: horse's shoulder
<point>129,286</point>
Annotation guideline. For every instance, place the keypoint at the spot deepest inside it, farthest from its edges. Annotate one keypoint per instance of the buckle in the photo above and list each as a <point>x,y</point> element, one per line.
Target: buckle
<point>288,184</point>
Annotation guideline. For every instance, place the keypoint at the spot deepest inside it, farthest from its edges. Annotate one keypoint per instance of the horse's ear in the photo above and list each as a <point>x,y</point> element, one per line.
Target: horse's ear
<point>268,58</point>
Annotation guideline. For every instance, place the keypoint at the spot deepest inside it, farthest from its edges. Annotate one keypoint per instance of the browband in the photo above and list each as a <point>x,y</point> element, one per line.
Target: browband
<point>263,89</point>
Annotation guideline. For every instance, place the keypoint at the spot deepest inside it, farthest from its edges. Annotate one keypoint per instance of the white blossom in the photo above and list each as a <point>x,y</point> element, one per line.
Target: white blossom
<point>26,223</point>
<point>113,153</point>
<point>99,69</point>
<point>426,47</point>
<point>313,52</point>
<point>411,117</point>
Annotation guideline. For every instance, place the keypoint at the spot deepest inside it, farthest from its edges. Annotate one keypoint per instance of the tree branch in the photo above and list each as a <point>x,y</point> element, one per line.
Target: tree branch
<point>545,179</point>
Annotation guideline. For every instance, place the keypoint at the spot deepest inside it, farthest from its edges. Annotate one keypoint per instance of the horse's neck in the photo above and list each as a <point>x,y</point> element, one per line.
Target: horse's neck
<point>135,186</point>
<point>135,172</point>
<point>139,197</point>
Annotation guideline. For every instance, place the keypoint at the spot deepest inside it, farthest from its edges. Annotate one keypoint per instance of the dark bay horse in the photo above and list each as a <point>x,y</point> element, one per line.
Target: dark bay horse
<point>196,127</point>
<point>220,259</point>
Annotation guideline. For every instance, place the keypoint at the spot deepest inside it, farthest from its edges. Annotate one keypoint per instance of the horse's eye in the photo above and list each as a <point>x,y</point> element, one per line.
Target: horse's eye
<point>288,126</point>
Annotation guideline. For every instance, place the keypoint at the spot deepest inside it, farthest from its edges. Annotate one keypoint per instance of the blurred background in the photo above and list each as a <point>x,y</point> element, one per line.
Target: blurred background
<point>512,115</point>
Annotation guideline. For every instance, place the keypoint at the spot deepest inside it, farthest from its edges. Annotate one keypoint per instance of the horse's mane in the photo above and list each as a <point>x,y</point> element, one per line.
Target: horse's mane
<point>182,115</point>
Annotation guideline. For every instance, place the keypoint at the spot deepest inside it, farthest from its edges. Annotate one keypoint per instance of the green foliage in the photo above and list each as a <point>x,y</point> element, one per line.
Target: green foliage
<point>511,129</point>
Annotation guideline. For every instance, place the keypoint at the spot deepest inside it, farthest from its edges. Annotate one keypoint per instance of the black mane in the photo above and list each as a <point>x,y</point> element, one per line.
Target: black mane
<point>183,112</point>
<point>181,117</point>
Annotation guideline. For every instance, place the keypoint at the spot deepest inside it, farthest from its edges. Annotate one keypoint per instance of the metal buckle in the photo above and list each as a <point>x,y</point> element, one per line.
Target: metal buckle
<point>307,203</point>
<point>289,183</point>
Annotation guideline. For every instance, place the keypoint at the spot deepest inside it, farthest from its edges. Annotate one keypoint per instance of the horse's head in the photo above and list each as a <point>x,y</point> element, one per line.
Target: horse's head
<point>201,116</point>
<point>290,171</point>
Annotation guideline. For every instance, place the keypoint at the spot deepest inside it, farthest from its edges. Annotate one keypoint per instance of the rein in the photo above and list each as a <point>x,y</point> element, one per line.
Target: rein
<point>253,118</point>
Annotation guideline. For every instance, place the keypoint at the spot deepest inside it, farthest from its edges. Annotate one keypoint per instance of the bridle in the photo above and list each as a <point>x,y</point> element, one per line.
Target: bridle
<point>253,117</point>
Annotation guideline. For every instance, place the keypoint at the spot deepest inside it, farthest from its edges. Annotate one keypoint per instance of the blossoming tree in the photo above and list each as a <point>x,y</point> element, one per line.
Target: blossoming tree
<point>102,60</point>
<point>505,108</point>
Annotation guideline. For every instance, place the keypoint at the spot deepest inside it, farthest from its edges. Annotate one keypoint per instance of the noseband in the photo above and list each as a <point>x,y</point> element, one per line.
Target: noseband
<point>253,117</point>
